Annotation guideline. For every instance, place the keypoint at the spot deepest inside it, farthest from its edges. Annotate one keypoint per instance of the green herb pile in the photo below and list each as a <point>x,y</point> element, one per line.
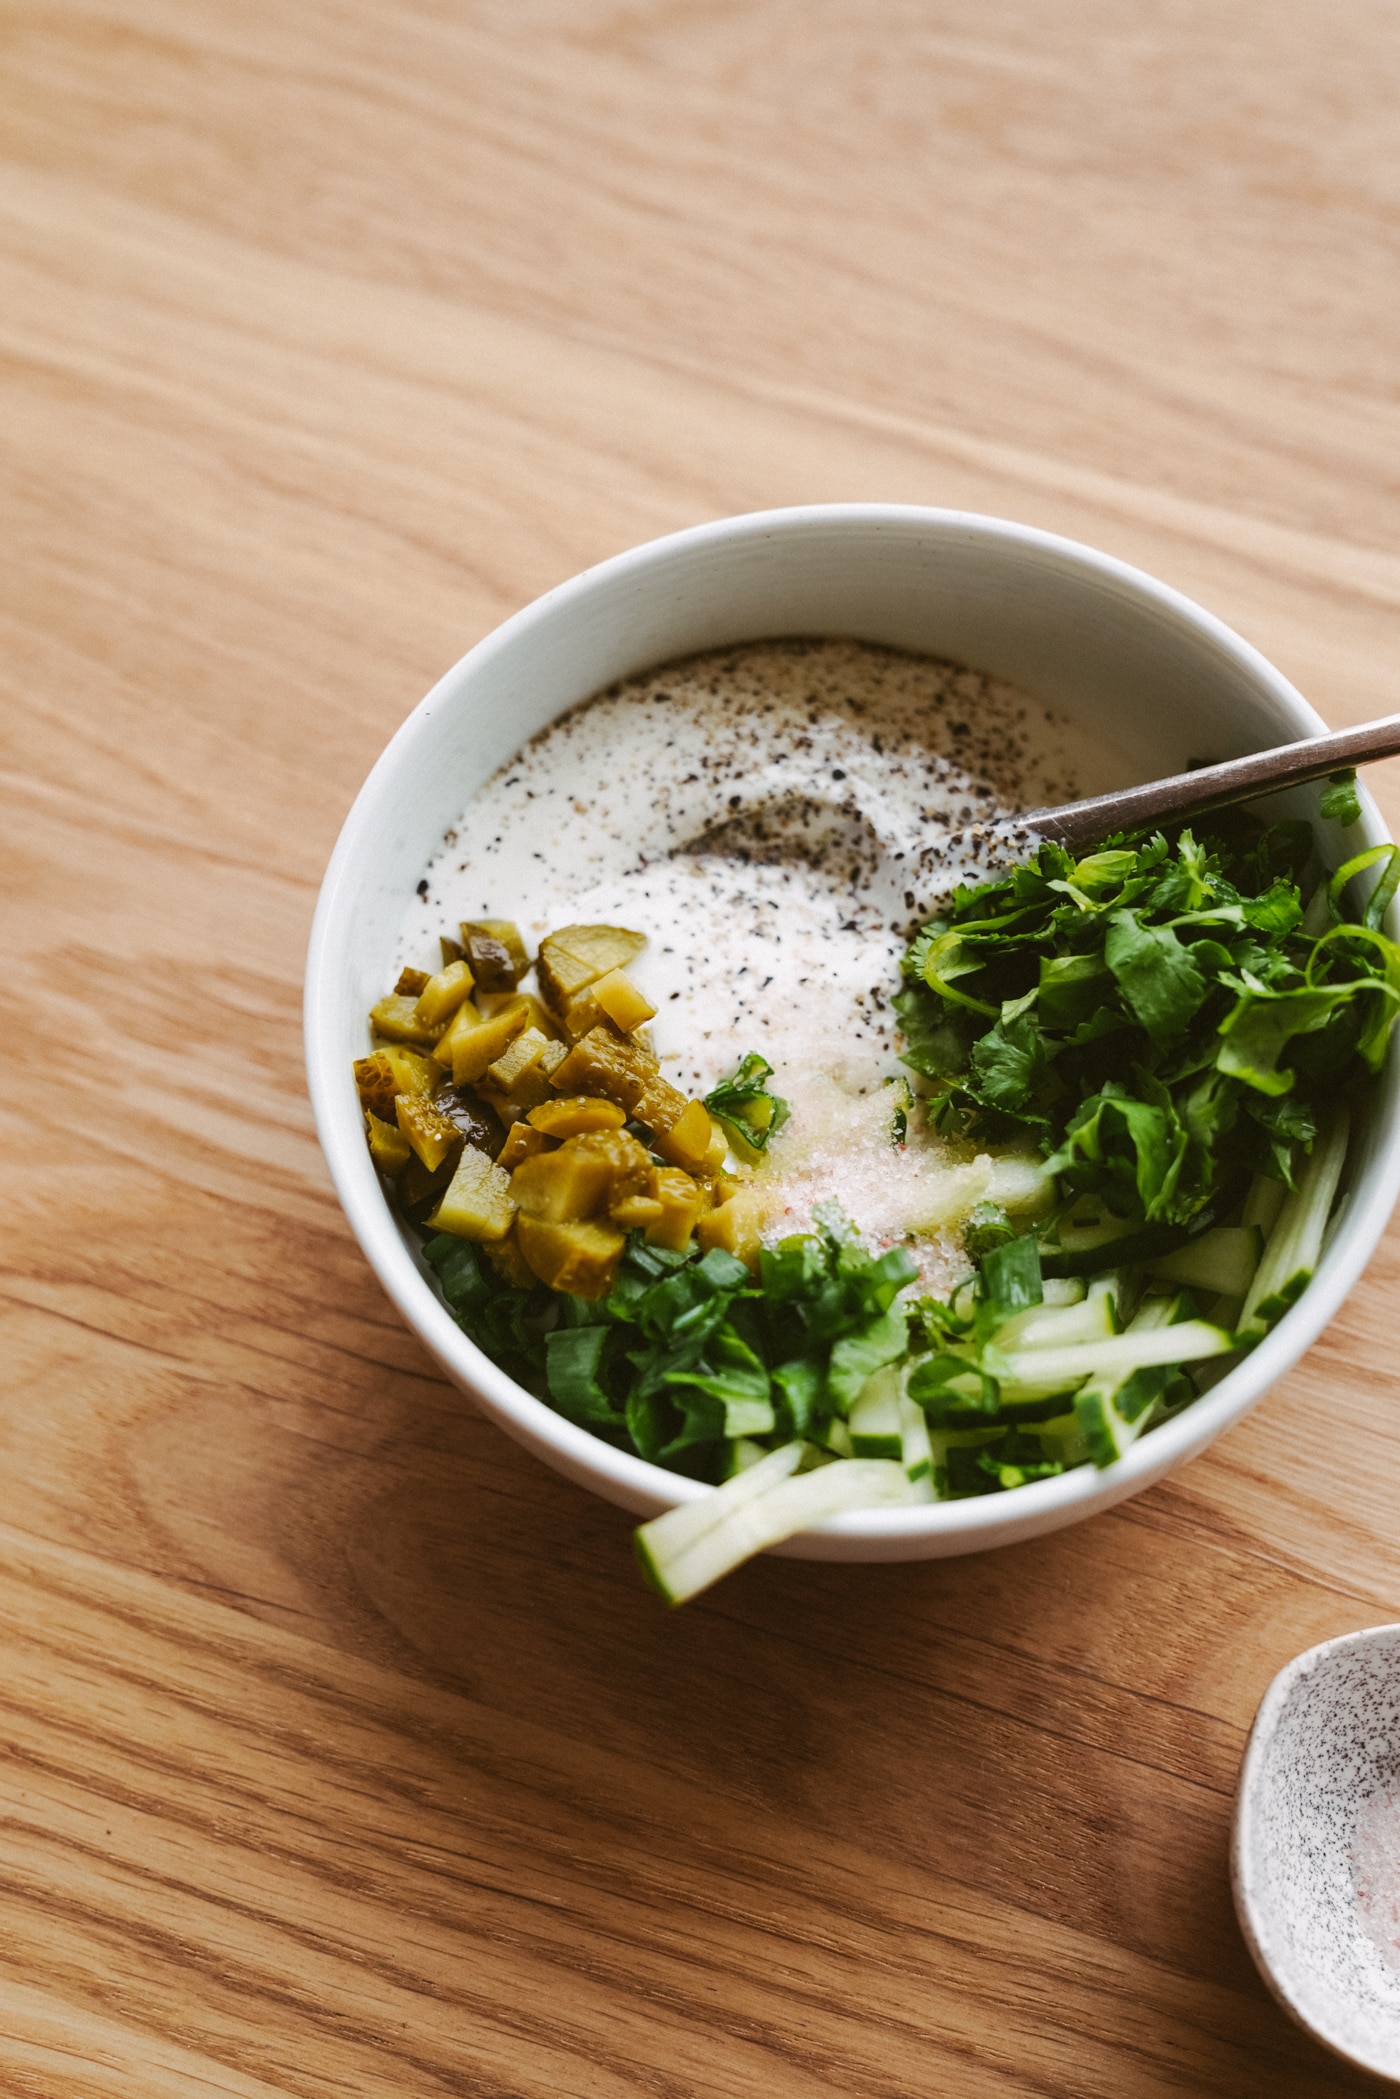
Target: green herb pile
<point>1164,1017</point>
<point>690,1352</point>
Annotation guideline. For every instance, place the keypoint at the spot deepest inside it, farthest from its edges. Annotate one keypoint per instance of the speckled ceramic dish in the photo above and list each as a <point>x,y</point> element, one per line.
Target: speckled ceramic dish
<point>1324,1750</point>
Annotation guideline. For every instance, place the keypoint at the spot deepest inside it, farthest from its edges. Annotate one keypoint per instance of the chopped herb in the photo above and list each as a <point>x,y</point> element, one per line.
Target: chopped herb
<point>751,1114</point>
<point>1140,1012</point>
<point>1340,799</point>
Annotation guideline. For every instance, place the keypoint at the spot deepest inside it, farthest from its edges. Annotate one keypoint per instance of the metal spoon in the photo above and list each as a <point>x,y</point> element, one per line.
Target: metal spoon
<point>1079,824</point>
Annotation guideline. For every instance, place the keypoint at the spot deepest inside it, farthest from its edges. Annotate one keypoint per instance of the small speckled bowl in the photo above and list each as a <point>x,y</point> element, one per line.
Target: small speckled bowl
<point>1325,1739</point>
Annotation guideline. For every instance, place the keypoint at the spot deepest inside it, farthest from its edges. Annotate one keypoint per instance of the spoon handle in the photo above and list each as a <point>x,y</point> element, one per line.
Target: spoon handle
<point>1078,824</point>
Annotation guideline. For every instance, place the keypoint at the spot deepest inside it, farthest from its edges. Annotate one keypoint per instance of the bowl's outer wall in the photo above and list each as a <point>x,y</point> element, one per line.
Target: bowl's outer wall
<point>1160,682</point>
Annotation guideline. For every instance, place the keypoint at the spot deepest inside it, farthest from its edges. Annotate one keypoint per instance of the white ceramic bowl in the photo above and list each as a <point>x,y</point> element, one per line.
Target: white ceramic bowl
<point>1325,1740</point>
<point>1161,682</point>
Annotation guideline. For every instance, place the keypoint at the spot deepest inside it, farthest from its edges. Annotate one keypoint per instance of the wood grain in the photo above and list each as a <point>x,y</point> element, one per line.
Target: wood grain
<point>339,1749</point>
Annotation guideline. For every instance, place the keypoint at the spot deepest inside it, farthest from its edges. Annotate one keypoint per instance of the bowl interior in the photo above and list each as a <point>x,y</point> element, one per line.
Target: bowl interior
<point>1328,1741</point>
<point>1155,681</point>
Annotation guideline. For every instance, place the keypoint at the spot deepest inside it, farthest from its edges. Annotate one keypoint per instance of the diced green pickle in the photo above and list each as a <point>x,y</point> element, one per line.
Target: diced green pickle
<point>477,1205</point>
<point>384,1075</point>
<point>621,1070</point>
<point>495,951</point>
<point>480,1125</point>
<point>396,1018</point>
<point>576,956</point>
<point>579,1258</point>
<point>388,1146</point>
<point>443,994</point>
<point>431,1135</point>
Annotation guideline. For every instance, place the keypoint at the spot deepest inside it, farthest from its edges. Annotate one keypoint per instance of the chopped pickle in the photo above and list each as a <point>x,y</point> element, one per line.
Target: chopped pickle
<point>509,1263</point>
<point>580,1258</point>
<point>418,1190</point>
<point>508,1111</point>
<point>532,1086</point>
<point>431,1135</point>
<point>536,1015</point>
<point>384,1075</point>
<point>681,1204</point>
<point>620,999</point>
<point>561,1184</point>
<point>636,1212</point>
<point>396,1018</point>
<point>733,1226</point>
<point>629,1166</point>
<point>522,1142</point>
<point>575,1114</point>
<point>586,1175</point>
<point>443,994</point>
<point>692,1139</point>
<point>480,1125</point>
<point>476,1204</point>
<point>462,1022</point>
<point>495,951</point>
<point>716,1155</point>
<point>660,1107</point>
<point>580,1015</point>
<point>626,1072</point>
<point>388,1146</point>
<point>576,956</point>
<point>514,1062</point>
<point>472,1044</point>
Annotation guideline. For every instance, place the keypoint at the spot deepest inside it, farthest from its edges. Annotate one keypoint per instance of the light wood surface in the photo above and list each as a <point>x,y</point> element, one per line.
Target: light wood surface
<point>340,1750</point>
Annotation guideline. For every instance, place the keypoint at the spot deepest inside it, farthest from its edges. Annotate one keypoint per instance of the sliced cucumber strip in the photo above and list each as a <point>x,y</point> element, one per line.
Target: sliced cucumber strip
<point>1020,1184</point>
<point>874,1419</point>
<point>743,1454</point>
<point>1085,1235</point>
<point>679,1528</point>
<point>1111,1411</point>
<point>1040,1373</point>
<point>1062,1439</point>
<point>1263,1203</point>
<point>1222,1261</point>
<point>1290,1256</point>
<point>833,1436</point>
<point>682,1569</point>
<point>1059,1326</point>
<point>1063,1290</point>
<point>941,1441</point>
<point>916,1448</point>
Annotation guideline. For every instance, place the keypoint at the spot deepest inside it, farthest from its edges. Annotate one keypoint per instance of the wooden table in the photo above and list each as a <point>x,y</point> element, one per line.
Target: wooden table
<point>342,1751</point>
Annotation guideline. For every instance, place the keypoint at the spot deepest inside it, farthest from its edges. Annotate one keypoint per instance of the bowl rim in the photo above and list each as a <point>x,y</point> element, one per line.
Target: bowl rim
<point>1041,1504</point>
<point>1253,1766</point>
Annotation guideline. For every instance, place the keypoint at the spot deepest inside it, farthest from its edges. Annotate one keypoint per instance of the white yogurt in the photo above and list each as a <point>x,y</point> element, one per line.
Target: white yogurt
<point>776,817</point>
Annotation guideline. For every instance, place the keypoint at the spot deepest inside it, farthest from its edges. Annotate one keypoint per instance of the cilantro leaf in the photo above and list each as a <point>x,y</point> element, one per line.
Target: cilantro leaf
<point>1009,1062</point>
<point>1156,975</point>
<point>1258,1031</point>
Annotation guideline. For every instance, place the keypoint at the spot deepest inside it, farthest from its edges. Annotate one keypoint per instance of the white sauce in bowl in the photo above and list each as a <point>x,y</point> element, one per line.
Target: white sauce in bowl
<point>777,817</point>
